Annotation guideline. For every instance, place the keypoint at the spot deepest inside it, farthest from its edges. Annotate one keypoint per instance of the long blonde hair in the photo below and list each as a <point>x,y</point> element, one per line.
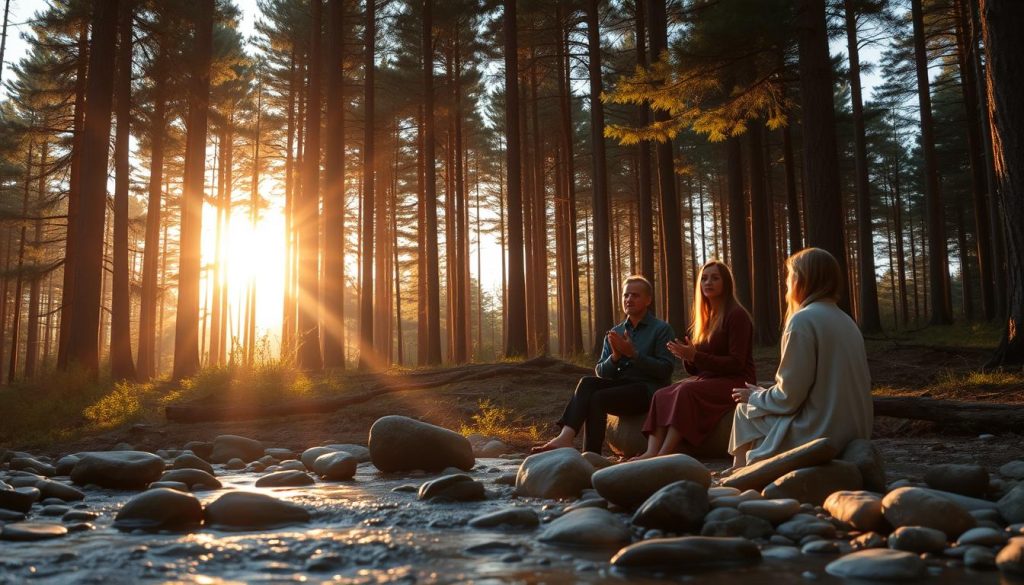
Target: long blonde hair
<point>817,278</point>
<point>706,320</point>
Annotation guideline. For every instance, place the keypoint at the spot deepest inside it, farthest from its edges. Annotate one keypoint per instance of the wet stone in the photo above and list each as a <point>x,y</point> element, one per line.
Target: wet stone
<point>744,525</point>
<point>31,531</point>
<point>399,443</point>
<point>81,527</point>
<point>982,536</point>
<point>594,502</point>
<point>775,511</point>
<point>735,501</point>
<point>193,478</point>
<point>721,492</point>
<point>171,485</point>
<point>228,447</point>
<point>118,469</point>
<point>335,466</point>
<point>235,464</point>
<point>80,516</point>
<point>66,463</point>
<point>760,474</point>
<point>285,479</point>
<point>630,484</point>
<point>677,507</point>
<point>1010,559</point>
<point>869,540</point>
<point>1011,506</point>
<point>55,489</point>
<point>1013,469</point>
<point>521,517</point>
<point>252,511</point>
<point>292,465</point>
<point>802,525</point>
<point>721,514</point>
<point>190,461</point>
<point>452,488</point>
<point>867,458</point>
<point>15,500</point>
<point>54,510</point>
<point>860,509</point>
<point>160,509</point>
<point>979,558</point>
<point>916,507</point>
<point>587,527</point>
<point>407,488</point>
<point>279,453</point>
<point>34,465</point>
<point>878,564</point>
<point>11,515</point>
<point>687,552</point>
<point>820,547</point>
<point>814,484</point>
<point>917,539</point>
<point>561,473</point>
<point>967,480</point>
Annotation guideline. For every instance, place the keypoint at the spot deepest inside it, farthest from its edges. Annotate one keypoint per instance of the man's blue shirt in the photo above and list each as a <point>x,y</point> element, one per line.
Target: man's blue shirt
<point>652,364</point>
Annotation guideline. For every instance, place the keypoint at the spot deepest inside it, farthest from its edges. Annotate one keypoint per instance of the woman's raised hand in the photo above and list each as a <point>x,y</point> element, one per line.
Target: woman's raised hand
<point>683,350</point>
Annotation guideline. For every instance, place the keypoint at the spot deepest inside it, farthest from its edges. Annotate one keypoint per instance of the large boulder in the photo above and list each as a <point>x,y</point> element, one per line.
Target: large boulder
<point>630,484</point>
<point>758,475</point>
<point>812,485</point>
<point>128,470</point>
<point>867,458</point>
<point>587,527</point>
<point>160,509</point>
<point>399,443</point>
<point>561,473</point>
<point>860,509</point>
<point>687,552</point>
<point>252,511</point>
<point>908,506</point>
<point>678,507</point>
<point>625,437</point>
<point>967,480</point>
<point>228,447</point>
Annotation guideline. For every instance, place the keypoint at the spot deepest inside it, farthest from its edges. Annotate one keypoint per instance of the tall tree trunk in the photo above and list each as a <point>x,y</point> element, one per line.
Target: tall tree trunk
<point>645,220</point>
<point>334,191</point>
<point>366,358</point>
<point>3,37</point>
<point>796,240</point>
<point>215,278</point>
<point>83,348</point>
<point>870,320</point>
<point>515,333</point>
<point>540,248</point>
<point>250,300</point>
<point>18,278</point>
<point>288,309</point>
<point>433,291</point>
<point>32,339</point>
<point>1002,21</point>
<point>966,280</point>
<point>938,252</point>
<point>459,263</point>
<point>573,275</point>
<point>671,239</point>
<point>823,207</point>
<point>739,246</point>
<point>766,311</point>
<point>307,218</point>
<point>603,287</point>
<point>186,338</point>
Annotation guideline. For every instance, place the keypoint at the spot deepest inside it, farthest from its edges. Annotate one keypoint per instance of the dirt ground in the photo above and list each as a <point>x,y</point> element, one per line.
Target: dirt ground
<point>520,408</point>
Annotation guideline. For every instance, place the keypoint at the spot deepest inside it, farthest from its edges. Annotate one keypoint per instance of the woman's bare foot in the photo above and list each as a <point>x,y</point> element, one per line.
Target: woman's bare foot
<point>556,443</point>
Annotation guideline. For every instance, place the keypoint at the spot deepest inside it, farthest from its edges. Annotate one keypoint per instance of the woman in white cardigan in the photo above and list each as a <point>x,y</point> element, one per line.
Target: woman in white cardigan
<point>822,387</point>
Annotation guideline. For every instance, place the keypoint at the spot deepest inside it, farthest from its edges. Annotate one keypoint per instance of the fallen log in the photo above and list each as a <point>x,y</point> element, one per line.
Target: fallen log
<point>233,408</point>
<point>974,416</point>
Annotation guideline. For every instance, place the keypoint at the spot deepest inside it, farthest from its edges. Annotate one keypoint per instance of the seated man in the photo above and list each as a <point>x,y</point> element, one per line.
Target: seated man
<point>635,361</point>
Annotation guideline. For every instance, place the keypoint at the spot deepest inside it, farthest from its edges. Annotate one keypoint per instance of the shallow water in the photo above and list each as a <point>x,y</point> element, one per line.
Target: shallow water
<point>363,532</point>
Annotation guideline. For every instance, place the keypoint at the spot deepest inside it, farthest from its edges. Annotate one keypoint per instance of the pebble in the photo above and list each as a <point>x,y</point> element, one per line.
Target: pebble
<point>252,511</point>
<point>820,547</point>
<point>452,488</point>
<point>918,539</point>
<point>775,511</point>
<point>190,461</point>
<point>802,525</point>
<point>31,531</point>
<point>160,509</point>
<point>983,536</point>
<point>677,507</point>
<point>687,552</point>
<point>193,478</point>
<point>228,447</point>
<point>587,527</point>
<point>118,469</point>
<point>1011,506</point>
<point>814,484</point>
<point>758,475</point>
<point>336,466</point>
<point>979,558</point>
<point>519,517</point>
<point>1011,557</point>
<point>878,564</point>
<point>285,479</point>
<point>744,525</point>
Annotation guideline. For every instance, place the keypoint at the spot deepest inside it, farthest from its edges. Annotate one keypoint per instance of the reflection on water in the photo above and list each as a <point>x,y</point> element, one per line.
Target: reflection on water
<point>362,533</point>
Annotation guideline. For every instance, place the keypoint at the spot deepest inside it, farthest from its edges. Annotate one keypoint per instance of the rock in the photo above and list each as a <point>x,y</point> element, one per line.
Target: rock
<point>171,485</point>
<point>721,492</point>
<point>201,449</point>
<point>492,448</point>
<point>595,502</point>
<point>1011,557</point>
<point>867,458</point>
<point>521,517</point>
<point>983,536</point>
<point>31,531</point>
<point>252,511</point>
<point>309,456</point>
<point>228,447</point>
<point>336,466</point>
<point>587,527</point>
<point>17,501</point>
<point>118,469</point>
<point>54,510</point>
<point>758,475</point>
<point>193,478</point>
<point>279,453</point>
<point>630,484</point>
<point>820,547</point>
<point>721,514</point>
<point>10,516</point>
<point>909,506</point>
<point>878,564</point>
<point>967,480</point>
<point>979,558</point>
<point>687,552</point>
<point>452,488</point>
<point>1013,469</point>
<point>293,465</point>
<point>80,516</point>
<point>814,484</point>
<point>861,510</point>
<point>596,460</point>
<point>1011,506</point>
<point>918,539</point>
<point>285,479</point>
<point>735,501</point>
<point>506,479</point>
<point>803,525</point>
<point>190,461</point>
<point>66,463</point>
<point>160,509</point>
<point>399,443</point>
<point>34,465</point>
<point>235,464</point>
<point>775,511</point>
<point>869,540</point>
<point>967,503</point>
<point>678,507</point>
<point>744,525</point>
<point>561,473</point>
<point>55,489</point>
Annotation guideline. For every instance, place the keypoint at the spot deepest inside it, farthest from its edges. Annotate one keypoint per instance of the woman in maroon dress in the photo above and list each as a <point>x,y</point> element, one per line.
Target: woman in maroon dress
<point>719,358</point>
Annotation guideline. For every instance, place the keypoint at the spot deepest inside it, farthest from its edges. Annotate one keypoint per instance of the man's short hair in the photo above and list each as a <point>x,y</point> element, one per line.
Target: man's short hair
<point>641,279</point>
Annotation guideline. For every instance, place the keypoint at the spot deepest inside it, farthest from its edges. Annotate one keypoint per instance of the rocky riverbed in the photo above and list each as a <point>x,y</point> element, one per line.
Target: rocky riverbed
<point>236,510</point>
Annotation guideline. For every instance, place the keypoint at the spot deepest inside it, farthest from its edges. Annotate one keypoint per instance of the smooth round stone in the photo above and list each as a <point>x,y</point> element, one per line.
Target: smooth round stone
<point>561,473</point>
<point>869,540</point>
<point>908,506</point>
<point>506,479</point>
<point>31,531</point>
<point>1011,506</point>
<point>803,525</point>
<point>744,525</point>
<point>814,484</point>
<point>860,509</point>
<point>279,454</point>
<point>596,460</point>
<point>587,527</point>
<point>80,516</point>
<point>171,485</point>
<point>201,449</point>
<point>235,464</point>
<point>193,478</point>
<point>1013,469</point>
<point>878,564</point>
<point>292,465</point>
<point>452,488</point>
<point>630,484</point>
<point>399,443</point>
<point>81,527</point>
<point>820,547</point>
<point>521,517</point>
<point>309,456</point>
<point>677,507</point>
<point>492,448</point>
<point>11,515</point>
<point>585,502</point>
<point>917,539</point>
<point>774,511</point>
<point>54,510</point>
<point>869,461</point>
<point>190,461</point>
<point>967,480</point>
<point>55,489</point>
<point>1011,557</point>
<point>118,469</point>
<point>66,463</point>
<point>160,509</point>
<point>16,501</point>
<point>687,552</point>
<point>722,492</point>
<point>252,511</point>
<point>734,501</point>
<point>228,447</point>
<point>285,479</point>
<point>335,466</point>
<point>782,553</point>
<point>979,558</point>
<point>34,465</point>
<point>983,536</point>
<point>721,514</point>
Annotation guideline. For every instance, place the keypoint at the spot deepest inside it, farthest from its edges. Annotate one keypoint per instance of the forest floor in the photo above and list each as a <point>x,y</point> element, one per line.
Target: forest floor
<point>514,402</point>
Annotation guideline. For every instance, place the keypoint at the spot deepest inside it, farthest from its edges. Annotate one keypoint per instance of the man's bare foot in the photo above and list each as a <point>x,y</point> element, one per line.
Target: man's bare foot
<point>550,446</point>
